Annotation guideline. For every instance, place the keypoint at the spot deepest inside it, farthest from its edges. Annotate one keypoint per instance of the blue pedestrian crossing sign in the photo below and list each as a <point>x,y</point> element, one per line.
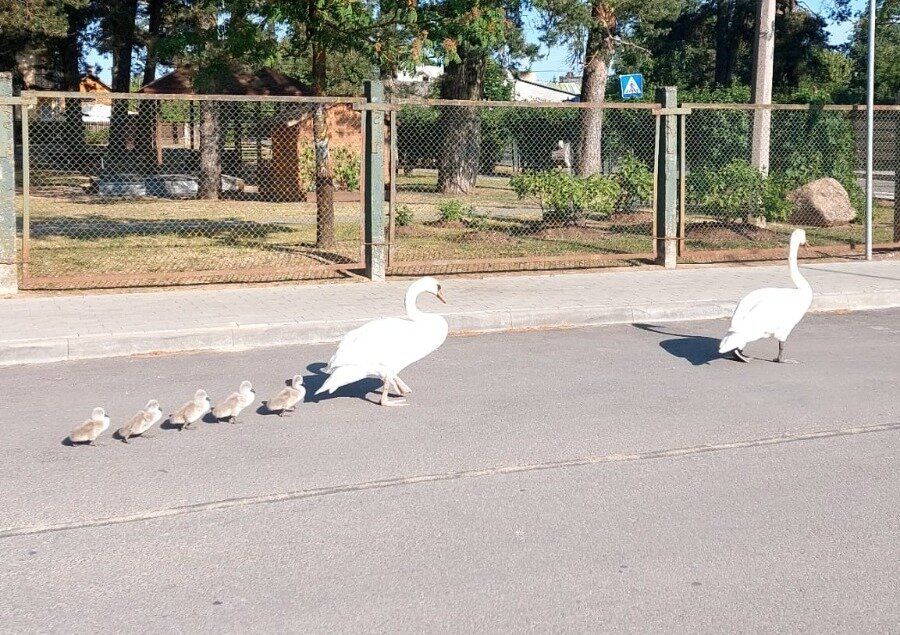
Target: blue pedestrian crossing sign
<point>632,86</point>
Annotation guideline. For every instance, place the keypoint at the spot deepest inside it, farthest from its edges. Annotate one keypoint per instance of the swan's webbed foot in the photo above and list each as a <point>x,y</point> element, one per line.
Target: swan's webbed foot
<point>385,390</point>
<point>402,387</point>
<point>781,359</point>
<point>738,355</point>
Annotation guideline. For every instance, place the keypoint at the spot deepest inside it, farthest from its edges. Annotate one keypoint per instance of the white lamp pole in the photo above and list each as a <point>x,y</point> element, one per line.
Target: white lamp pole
<point>870,130</point>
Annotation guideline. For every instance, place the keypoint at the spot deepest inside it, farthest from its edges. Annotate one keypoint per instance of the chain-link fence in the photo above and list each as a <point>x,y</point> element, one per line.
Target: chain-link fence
<point>143,190</point>
<point>815,177</point>
<point>134,190</point>
<point>479,186</point>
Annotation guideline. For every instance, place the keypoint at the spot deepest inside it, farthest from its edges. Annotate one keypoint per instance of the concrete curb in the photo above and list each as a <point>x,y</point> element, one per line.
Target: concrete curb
<point>237,337</point>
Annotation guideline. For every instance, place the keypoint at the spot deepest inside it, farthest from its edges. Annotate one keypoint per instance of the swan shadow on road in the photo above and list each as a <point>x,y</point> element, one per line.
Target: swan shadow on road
<point>697,349</point>
<point>360,389</point>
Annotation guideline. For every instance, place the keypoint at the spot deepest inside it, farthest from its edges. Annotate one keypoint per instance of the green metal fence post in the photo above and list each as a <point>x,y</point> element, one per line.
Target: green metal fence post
<point>373,198</point>
<point>667,189</point>
<point>8,277</point>
<point>896,168</point>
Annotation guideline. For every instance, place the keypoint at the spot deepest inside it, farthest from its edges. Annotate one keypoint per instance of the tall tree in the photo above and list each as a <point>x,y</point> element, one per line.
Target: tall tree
<point>465,34</point>
<point>318,29</point>
<point>214,40</point>
<point>154,9</point>
<point>30,27</point>
<point>887,52</point>
<point>709,45</point>
<point>118,36</point>
<point>595,30</point>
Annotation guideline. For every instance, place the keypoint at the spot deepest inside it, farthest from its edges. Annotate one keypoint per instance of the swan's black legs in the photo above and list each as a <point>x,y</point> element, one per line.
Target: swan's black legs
<point>738,355</point>
<point>781,359</point>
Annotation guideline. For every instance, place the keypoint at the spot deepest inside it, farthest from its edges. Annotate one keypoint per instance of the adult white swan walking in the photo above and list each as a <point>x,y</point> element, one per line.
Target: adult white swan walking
<point>382,348</point>
<point>770,312</point>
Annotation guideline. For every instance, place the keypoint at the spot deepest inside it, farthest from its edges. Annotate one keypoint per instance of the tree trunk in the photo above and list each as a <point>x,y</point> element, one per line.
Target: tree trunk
<point>324,173</point>
<point>725,47</point>
<point>460,125</point>
<point>148,111</point>
<point>210,159</point>
<point>154,19</point>
<point>74,139</point>
<point>598,50</point>
<point>122,25</point>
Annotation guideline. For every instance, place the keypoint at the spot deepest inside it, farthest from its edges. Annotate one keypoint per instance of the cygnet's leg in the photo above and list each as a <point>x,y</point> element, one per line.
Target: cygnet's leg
<point>401,385</point>
<point>781,359</point>
<point>385,389</point>
<point>738,355</point>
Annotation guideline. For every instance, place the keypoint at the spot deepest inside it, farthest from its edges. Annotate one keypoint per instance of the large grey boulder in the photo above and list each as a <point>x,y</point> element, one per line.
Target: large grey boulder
<point>821,203</point>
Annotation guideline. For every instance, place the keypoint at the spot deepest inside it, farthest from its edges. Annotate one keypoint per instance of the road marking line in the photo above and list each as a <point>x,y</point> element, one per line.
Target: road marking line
<point>25,530</point>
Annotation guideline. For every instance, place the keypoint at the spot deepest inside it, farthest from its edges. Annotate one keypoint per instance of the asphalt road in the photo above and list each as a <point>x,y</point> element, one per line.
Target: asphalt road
<point>611,478</point>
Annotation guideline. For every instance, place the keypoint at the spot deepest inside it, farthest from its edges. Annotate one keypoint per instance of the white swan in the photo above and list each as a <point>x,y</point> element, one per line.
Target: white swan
<point>382,348</point>
<point>770,312</point>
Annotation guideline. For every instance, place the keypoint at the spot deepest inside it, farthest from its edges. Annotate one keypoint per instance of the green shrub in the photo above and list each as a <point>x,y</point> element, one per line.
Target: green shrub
<point>776,206</point>
<point>453,210</point>
<point>733,191</point>
<point>345,166</point>
<point>809,145</point>
<point>565,198</point>
<point>96,136</point>
<point>635,182</point>
<point>403,216</point>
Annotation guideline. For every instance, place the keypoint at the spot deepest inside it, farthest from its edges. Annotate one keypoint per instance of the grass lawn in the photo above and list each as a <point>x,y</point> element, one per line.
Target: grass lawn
<point>73,233</point>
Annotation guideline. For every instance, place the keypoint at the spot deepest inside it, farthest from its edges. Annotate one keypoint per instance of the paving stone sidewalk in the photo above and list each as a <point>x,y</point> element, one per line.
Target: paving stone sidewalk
<point>54,328</point>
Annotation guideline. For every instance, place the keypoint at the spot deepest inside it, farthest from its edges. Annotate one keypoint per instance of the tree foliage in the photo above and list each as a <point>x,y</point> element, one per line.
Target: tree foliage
<point>887,53</point>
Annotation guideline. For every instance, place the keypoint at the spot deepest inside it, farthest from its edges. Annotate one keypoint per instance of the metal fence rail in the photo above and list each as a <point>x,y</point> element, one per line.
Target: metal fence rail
<point>184,189</point>
<point>480,186</point>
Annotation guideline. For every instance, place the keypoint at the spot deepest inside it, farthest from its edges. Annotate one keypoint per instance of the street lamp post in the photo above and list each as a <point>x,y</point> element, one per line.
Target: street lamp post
<point>870,130</point>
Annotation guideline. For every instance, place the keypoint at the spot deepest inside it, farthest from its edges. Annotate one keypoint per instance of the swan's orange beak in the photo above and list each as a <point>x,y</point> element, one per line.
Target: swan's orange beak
<point>440,296</point>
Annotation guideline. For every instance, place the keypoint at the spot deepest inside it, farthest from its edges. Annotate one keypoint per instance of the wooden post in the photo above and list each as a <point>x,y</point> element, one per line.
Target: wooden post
<point>763,61</point>
<point>8,275</point>
<point>373,177</point>
<point>667,188</point>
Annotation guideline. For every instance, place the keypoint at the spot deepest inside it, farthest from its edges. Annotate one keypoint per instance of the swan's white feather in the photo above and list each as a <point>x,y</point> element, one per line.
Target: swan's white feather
<point>770,312</point>
<point>385,346</point>
<point>765,313</point>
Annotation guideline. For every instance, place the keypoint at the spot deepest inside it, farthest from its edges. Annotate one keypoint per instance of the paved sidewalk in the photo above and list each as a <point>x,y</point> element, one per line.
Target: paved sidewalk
<point>46,329</point>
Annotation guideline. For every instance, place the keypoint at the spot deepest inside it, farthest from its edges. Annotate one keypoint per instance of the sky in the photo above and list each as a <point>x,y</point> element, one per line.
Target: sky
<point>556,61</point>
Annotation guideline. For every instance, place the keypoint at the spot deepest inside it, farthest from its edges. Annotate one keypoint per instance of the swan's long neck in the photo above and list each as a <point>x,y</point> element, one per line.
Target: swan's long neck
<point>412,294</point>
<point>798,279</point>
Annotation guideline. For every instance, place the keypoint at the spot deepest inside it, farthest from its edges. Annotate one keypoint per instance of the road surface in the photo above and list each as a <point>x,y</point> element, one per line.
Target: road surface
<point>611,478</point>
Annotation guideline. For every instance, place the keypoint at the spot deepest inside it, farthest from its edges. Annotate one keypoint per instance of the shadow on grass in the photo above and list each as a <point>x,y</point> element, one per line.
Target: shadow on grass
<point>97,226</point>
<point>228,232</point>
